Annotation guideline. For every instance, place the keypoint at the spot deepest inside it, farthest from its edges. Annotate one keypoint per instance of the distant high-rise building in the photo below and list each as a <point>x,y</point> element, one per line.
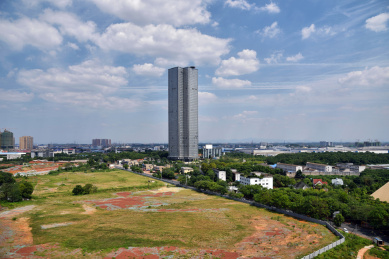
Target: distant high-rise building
<point>183,113</point>
<point>101,142</point>
<point>26,142</point>
<point>7,140</point>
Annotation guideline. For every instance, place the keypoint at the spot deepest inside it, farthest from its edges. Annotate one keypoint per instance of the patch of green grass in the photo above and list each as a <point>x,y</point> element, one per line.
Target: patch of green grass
<point>380,253</point>
<point>349,249</point>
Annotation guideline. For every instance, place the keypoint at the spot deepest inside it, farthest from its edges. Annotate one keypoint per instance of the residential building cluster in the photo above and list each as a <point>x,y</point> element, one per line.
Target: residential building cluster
<point>322,169</point>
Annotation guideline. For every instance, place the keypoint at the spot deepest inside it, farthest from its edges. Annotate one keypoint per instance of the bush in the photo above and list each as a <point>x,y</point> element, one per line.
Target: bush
<point>87,189</point>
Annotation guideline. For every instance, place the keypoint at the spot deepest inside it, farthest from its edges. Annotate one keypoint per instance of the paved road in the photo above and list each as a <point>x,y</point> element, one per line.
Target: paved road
<point>365,232</point>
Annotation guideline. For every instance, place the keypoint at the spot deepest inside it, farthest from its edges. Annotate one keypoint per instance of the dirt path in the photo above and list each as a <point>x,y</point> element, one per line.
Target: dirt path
<point>363,251</point>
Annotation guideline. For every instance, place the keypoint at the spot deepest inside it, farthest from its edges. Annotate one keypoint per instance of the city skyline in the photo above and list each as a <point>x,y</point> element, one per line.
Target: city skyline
<point>72,71</point>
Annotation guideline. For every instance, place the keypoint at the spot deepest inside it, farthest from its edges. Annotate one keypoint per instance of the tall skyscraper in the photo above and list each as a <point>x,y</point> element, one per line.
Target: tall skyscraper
<point>26,142</point>
<point>183,113</point>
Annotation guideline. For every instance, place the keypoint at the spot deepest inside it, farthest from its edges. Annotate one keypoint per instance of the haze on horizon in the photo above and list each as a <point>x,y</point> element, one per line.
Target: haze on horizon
<point>71,71</point>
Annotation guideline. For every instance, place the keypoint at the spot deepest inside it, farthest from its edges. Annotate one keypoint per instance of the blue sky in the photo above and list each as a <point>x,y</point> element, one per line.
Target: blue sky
<point>309,70</point>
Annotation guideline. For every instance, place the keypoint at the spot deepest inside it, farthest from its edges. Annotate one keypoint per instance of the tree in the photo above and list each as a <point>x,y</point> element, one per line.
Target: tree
<point>338,220</point>
<point>125,166</point>
<point>78,190</point>
<point>26,189</point>
<point>10,192</point>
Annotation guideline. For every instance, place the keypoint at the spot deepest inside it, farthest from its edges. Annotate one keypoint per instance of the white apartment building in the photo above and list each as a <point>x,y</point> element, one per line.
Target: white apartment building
<point>220,174</point>
<point>289,167</point>
<point>266,181</point>
<point>319,167</point>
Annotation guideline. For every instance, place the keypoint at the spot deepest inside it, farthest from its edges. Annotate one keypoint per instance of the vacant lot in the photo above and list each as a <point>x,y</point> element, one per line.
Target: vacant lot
<point>132,217</point>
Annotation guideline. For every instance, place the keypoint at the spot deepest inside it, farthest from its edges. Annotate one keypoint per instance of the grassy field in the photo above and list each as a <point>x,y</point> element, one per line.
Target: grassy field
<point>172,217</point>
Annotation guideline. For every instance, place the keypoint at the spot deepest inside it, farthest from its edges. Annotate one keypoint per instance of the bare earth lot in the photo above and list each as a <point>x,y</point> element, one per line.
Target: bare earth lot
<point>147,221</point>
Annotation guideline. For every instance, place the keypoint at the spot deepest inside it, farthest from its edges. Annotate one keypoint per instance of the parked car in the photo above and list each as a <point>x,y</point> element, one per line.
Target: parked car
<point>345,230</point>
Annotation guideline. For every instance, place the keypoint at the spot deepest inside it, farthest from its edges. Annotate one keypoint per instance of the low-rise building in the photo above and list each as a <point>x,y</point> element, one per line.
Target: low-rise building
<point>237,174</point>
<point>319,167</point>
<point>318,182</point>
<point>351,167</point>
<point>209,151</point>
<point>186,170</point>
<point>337,181</point>
<point>265,180</point>
<point>220,174</point>
<point>289,167</point>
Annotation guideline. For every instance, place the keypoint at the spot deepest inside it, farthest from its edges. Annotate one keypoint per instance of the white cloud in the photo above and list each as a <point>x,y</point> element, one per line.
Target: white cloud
<point>295,58</point>
<point>245,64</point>
<point>375,76</point>
<point>156,12</point>
<point>89,84</point>
<point>303,89</point>
<point>274,58</point>
<point>148,69</point>
<point>15,96</point>
<point>206,98</point>
<point>241,4</point>
<point>168,44</point>
<point>307,31</point>
<point>377,23</point>
<point>73,46</point>
<point>271,31</point>
<point>32,32</point>
<point>57,3</point>
<point>90,75</point>
<point>230,83</point>
<point>270,8</point>
<point>215,24</point>
<point>71,25</point>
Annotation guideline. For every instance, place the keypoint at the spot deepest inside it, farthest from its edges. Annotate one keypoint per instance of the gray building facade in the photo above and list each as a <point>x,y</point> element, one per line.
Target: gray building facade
<point>183,113</point>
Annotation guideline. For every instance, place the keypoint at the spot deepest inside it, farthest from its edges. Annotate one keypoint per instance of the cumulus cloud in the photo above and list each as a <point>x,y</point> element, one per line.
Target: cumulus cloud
<point>240,4</point>
<point>145,12</point>
<point>295,58</point>
<point>245,64</point>
<point>169,44</point>
<point>70,24</point>
<point>375,76</point>
<point>148,69</point>
<point>270,8</point>
<point>15,96</point>
<point>25,31</point>
<point>377,23</point>
<point>307,31</point>
<point>206,98</point>
<point>90,75</point>
<point>271,31</point>
<point>89,84</point>
<point>230,83</point>
<point>274,58</point>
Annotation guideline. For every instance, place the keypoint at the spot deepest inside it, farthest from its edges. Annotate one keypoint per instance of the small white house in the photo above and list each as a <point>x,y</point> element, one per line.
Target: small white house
<point>337,181</point>
<point>266,181</point>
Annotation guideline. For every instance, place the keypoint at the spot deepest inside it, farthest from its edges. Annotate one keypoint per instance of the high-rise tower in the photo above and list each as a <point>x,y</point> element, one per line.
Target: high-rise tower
<point>26,142</point>
<point>183,113</point>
